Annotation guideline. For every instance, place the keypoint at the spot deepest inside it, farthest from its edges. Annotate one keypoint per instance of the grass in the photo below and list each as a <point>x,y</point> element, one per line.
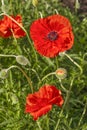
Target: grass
<point>14,89</point>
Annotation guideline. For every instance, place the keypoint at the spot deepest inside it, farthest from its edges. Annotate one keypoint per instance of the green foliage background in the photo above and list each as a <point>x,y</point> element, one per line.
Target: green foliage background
<point>14,89</point>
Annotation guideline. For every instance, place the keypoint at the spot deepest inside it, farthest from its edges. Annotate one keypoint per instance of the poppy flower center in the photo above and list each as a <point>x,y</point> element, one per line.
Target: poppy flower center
<point>53,35</point>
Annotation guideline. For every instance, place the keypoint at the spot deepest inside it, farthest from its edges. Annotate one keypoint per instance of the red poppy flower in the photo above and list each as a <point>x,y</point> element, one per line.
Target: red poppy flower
<point>41,102</point>
<point>9,28</point>
<point>52,35</point>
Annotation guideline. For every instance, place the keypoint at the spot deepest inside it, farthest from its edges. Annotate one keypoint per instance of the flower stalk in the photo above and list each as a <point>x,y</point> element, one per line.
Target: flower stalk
<point>15,40</point>
<point>2,55</point>
<point>3,6</point>
<point>66,101</point>
<point>39,125</point>
<point>84,111</point>
<point>28,79</point>
<point>23,30</point>
<point>53,73</point>
<point>75,63</point>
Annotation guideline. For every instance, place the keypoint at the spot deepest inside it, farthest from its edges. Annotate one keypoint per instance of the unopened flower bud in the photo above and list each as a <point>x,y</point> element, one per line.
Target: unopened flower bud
<point>22,60</point>
<point>35,2</point>
<point>61,73</point>
<point>3,73</point>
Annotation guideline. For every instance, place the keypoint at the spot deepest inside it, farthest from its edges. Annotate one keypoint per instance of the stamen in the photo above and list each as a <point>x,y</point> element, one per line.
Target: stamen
<point>53,35</point>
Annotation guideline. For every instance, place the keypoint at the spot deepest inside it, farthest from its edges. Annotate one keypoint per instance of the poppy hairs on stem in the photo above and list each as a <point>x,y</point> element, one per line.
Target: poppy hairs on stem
<point>39,103</point>
<point>52,35</point>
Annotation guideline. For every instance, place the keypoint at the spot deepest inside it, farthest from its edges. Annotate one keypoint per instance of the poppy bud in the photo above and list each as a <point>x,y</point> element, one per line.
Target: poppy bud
<point>3,73</point>
<point>61,73</point>
<point>22,60</point>
<point>35,2</point>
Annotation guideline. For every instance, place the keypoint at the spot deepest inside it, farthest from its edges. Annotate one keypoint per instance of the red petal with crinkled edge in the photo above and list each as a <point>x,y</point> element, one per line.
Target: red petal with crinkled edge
<point>41,112</point>
<point>10,28</point>
<point>46,44</point>
<point>39,103</point>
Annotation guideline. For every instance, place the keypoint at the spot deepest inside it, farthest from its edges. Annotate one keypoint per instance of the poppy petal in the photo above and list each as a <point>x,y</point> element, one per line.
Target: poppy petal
<point>50,35</point>
<point>41,112</point>
<point>39,103</point>
<point>9,28</point>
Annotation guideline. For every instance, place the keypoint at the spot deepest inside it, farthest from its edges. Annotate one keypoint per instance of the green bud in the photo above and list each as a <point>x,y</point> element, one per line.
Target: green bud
<point>22,60</point>
<point>3,73</point>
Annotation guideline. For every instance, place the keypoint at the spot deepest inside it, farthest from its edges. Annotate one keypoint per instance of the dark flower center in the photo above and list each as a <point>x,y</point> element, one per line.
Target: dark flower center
<point>52,36</point>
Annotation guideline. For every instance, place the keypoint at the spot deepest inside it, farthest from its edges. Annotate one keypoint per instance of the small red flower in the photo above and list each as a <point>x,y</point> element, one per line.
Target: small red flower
<point>9,28</point>
<point>52,35</point>
<point>41,102</point>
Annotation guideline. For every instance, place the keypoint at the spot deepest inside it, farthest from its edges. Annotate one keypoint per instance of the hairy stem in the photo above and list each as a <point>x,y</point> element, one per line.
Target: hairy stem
<point>39,125</point>
<point>53,73</point>
<point>28,79</point>
<point>74,62</point>
<point>66,100</point>
<point>24,31</point>
<point>2,55</point>
<point>84,111</point>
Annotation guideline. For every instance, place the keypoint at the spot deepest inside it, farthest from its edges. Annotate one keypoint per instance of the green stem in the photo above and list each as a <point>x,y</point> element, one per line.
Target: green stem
<point>3,5</point>
<point>84,55</point>
<point>24,31</point>
<point>62,86</point>
<point>35,73</point>
<point>41,15</point>
<point>56,63</point>
<point>18,47</point>
<point>2,14</point>
<point>16,22</point>
<point>84,111</point>
<point>66,100</point>
<point>2,1</point>
<point>2,55</point>
<point>39,125</point>
<point>47,120</point>
<point>53,73</point>
<point>56,11</point>
<point>81,71</point>
<point>28,79</point>
<point>36,11</point>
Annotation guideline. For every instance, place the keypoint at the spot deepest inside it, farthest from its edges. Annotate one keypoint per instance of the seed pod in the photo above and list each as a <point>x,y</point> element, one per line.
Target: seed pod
<point>61,73</point>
